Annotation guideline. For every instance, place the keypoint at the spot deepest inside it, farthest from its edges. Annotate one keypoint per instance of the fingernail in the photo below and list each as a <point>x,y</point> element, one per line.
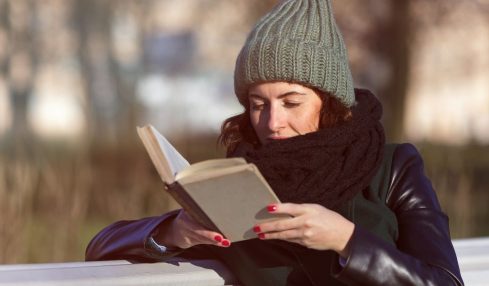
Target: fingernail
<point>261,236</point>
<point>226,243</point>
<point>218,238</point>
<point>272,208</point>
<point>256,228</point>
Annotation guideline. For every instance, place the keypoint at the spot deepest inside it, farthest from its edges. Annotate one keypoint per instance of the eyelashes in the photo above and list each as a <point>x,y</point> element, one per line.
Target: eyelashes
<point>286,104</point>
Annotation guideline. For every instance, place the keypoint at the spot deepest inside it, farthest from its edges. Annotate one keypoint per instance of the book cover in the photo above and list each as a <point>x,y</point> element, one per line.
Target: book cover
<point>225,195</point>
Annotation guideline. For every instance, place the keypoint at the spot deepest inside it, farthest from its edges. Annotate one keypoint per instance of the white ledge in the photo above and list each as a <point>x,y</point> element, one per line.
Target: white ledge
<point>473,257</point>
<point>117,272</point>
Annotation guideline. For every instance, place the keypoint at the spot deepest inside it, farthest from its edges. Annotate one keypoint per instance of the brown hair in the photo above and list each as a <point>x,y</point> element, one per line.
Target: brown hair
<point>238,128</point>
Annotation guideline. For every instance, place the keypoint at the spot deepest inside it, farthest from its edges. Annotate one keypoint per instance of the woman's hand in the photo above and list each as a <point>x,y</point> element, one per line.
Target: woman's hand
<point>185,232</point>
<point>312,226</point>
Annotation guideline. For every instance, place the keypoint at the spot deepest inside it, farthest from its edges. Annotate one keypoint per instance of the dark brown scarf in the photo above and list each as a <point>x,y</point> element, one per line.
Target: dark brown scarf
<point>329,166</point>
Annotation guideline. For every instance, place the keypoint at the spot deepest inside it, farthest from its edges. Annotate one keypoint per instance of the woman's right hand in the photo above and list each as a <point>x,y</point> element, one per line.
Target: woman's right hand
<point>184,232</point>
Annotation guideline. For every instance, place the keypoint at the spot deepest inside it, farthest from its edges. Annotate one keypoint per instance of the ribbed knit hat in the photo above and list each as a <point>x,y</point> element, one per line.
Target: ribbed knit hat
<point>298,41</point>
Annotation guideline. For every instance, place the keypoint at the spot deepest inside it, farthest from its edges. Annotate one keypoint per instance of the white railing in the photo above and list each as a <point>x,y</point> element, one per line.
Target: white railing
<point>473,257</point>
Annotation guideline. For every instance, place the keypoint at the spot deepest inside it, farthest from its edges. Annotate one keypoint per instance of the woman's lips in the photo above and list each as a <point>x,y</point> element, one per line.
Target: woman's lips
<point>277,137</point>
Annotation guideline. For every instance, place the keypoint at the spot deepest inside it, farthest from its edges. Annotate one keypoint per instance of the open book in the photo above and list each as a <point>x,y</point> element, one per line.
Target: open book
<point>228,195</point>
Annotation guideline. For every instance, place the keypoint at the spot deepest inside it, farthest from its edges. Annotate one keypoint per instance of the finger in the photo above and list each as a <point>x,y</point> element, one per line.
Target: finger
<point>288,208</point>
<point>288,235</point>
<point>279,225</point>
<point>201,235</point>
<point>209,237</point>
<point>216,239</point>
<point>193,233</point>
<point>187,233</point>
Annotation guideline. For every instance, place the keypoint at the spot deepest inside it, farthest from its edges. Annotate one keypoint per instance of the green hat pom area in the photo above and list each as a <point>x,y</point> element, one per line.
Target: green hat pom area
<point>298,41</point>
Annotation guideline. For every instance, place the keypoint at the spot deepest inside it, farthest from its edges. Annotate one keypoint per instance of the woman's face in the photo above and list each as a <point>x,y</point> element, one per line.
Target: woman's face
<point>280,110</point>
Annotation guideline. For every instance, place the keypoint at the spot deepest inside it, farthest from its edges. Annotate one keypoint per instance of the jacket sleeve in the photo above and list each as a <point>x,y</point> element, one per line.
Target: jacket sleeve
<point>128,240</point>
<point>133,240</point>
<point>424,253</point>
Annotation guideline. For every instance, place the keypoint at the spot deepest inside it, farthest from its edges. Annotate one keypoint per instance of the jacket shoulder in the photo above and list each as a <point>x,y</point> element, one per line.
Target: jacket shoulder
<point>406,152</point>
<point>409,186</point>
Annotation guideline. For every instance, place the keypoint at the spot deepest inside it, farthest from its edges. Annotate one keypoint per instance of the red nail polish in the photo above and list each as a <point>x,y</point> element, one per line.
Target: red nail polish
<point>272,208</point>
<point>256,228</point>
<point>261,236</point>
<point>225,242</point>
<point>218,238</point>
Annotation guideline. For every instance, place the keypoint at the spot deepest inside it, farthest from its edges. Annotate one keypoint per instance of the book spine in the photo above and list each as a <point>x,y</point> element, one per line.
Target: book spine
<point>188,204</point>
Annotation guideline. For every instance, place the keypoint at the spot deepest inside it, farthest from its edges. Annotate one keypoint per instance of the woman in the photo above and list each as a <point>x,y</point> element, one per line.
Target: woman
<point>363,212</point>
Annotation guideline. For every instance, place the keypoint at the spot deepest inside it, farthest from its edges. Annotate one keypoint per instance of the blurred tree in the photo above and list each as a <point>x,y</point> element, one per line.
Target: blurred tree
<point>127,19</point>
<point>19,66</point>
<point>394,37</point>
<point>91,21</point>
<point>109,84</point>
<point>378,33</point>
<point>3,33</point>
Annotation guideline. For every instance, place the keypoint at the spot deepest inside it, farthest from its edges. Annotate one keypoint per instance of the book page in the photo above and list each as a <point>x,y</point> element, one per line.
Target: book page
<point>176,161</point>
<point>164,156</point>
<point>209,166</point>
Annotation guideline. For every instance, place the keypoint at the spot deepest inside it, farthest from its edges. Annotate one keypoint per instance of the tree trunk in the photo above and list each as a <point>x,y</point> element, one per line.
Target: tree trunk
<point>397,35</point>
<point>20,68</point>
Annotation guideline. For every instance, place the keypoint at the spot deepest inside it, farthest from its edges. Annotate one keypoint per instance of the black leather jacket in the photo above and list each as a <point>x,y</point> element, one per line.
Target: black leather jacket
<point>424,254</point>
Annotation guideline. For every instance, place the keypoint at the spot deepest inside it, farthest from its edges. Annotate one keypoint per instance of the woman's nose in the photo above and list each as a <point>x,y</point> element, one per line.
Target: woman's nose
<point>276,119</point>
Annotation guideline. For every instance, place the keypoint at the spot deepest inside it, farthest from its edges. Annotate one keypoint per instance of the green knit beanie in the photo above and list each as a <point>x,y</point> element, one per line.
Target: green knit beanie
<point>298,41</point>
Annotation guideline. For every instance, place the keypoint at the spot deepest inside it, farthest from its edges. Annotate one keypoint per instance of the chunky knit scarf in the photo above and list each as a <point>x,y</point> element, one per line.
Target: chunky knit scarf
<point>329,166</point>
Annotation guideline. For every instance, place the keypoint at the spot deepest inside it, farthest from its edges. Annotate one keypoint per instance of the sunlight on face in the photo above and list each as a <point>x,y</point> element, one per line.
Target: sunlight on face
<point>280,110</point>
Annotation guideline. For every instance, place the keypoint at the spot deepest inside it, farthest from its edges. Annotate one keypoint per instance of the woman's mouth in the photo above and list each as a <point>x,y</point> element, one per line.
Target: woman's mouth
<point>277,137</point>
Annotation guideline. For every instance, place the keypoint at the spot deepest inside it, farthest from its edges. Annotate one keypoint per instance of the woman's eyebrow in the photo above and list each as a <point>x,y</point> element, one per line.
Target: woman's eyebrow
<point>257,96</point>
<point>293,92</point>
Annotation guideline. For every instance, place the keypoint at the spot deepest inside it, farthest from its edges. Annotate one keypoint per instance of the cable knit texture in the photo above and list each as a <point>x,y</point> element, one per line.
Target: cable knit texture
<point>298,41</point>
<point>329,166</point>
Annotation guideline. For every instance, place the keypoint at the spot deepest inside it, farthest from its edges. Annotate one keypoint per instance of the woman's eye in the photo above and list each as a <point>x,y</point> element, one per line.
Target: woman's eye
<point>291,104</point>
<point>257,106</point>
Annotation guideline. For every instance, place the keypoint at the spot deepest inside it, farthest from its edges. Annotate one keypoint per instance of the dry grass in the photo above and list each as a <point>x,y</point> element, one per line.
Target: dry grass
<point>17,179</point>
<point>42,190</point>
<point>54,199</point>
<point>459,175</point>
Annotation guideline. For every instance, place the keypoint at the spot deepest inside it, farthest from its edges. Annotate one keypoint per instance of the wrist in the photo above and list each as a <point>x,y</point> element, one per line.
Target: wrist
<point>163,235</point>
<point>343,248</point>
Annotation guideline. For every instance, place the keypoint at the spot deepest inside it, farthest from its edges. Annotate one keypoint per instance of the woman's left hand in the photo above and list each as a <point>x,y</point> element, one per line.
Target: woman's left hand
<point>312,226</point>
